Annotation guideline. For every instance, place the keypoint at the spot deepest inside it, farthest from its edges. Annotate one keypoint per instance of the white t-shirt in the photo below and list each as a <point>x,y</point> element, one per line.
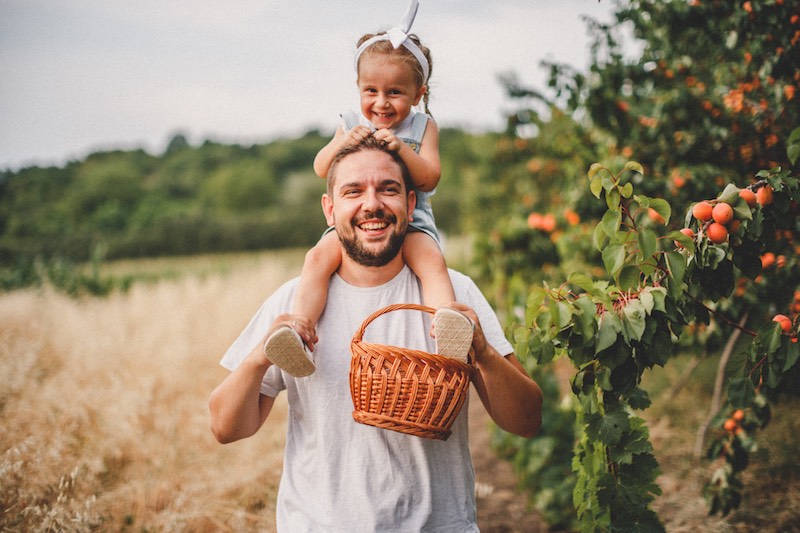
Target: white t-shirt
<point>342,476</point>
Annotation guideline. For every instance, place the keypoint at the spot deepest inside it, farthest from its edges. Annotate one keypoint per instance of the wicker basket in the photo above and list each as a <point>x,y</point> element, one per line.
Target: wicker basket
<point>409,391</point>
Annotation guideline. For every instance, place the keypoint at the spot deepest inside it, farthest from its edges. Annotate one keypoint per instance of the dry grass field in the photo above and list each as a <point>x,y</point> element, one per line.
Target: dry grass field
<point>104,409</point>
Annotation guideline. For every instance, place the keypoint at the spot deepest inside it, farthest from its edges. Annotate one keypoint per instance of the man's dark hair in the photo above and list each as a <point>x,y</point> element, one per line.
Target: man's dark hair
<point>370,143</point>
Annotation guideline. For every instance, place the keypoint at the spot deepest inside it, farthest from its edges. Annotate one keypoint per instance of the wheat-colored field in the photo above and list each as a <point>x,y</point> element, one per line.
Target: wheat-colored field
<point>104,409</point>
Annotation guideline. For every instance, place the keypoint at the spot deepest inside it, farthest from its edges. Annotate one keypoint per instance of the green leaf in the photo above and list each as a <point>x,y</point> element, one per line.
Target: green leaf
<point>626,190</point>
<point>792,354</point>
<point>594,169</point>
<point>613,258</point>
<point>629,277</point>
<point>613,199</point>
<point>740,392</point>
<point>611,221</point>
<point>648,243</point>
<point>729,195</point>
<point>585,317</point>
<point>659,296</point>
<point>769,335</point>
<point>607,428</point>
<point>596,186</point>
<point>646,297</point>
<point>793,146</point>
<point>608,326</point>
<point>599,237</point>
<point>741,210</point>
<point>676,264</point>
<point>633,319</point>
<point>581,280</point>
<point>561,313</point>
<point>633,166</point>
<point>684,240</point>
<point>639,399</point>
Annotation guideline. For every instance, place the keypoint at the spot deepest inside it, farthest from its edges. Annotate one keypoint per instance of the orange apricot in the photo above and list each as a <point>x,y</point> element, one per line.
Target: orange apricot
<point>722,213</point>
<point>702,211</point>
<point>748,196</point>
<point>767,260</point>
<point>717,233</point>
<point>784,321</point>
<point>764,195</point>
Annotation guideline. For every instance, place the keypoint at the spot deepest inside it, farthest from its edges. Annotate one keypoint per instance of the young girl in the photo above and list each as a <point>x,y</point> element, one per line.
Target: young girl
<point>393,70</point>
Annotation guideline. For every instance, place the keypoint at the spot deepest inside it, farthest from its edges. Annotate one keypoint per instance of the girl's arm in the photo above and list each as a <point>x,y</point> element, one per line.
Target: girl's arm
<point>324,158</point>
<point>425,167</point>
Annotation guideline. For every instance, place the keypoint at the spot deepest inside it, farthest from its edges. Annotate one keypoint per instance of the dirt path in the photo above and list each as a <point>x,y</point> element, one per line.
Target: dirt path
<point>501,507</point>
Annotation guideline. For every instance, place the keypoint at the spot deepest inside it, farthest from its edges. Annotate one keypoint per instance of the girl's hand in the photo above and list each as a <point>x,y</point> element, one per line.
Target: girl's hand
<point>389,139</point>
<point>356,135</point>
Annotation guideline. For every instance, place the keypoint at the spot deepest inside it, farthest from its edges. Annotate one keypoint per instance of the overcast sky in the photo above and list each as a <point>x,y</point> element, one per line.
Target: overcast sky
<point>77,76</point>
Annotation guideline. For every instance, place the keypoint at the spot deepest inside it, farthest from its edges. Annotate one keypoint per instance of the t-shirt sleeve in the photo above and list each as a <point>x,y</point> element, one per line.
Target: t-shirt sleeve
<point>254,333</point>
<point>468,293</point>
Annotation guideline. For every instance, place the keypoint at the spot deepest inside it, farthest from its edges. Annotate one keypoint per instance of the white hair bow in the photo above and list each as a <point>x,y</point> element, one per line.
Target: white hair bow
<point>398,36</point>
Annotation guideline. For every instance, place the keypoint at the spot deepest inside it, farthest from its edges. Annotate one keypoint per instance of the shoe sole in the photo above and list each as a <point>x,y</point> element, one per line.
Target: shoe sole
<point>454,333</point>
<point>286,350</point>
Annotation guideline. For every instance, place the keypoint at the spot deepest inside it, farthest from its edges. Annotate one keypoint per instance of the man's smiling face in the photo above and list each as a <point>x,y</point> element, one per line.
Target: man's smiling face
<point>370,207</point>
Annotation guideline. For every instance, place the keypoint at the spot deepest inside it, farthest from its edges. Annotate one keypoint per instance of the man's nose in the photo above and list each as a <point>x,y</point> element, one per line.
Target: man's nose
<point>372,201</point>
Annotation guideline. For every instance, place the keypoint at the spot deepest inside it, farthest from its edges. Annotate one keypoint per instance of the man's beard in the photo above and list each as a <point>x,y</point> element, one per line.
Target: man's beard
<point>358,253</point>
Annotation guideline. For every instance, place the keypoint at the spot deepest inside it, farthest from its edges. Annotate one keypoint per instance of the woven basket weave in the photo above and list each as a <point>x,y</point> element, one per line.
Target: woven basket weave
<point>409,391</point>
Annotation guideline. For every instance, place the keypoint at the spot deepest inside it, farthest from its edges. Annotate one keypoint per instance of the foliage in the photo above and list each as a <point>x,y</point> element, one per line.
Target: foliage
<point>708,99</point>
<point>614,329</point>
<point>713,93</point>
<point>189,200</point>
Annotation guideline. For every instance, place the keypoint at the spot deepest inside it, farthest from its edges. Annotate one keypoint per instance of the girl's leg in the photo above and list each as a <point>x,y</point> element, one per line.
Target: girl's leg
<point>285,347</point>
<point>320,264</point>
<point>453,330</point>
<point>423,255</point>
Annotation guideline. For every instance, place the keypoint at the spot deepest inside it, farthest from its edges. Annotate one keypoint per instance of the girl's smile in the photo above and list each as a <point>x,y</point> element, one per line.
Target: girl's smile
<point>388,90</point>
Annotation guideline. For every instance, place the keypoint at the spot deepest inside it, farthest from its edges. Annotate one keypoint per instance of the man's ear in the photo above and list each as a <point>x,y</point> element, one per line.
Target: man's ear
<point>327,209</point>
<point>412,203</point>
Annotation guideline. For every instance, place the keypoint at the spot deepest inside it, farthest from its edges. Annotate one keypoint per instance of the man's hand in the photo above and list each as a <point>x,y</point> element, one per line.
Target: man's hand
<point>302,325</point>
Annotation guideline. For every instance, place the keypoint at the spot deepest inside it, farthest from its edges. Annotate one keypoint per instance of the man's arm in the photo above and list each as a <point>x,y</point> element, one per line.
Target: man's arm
<point>511,397</point>
<point>238,409</point>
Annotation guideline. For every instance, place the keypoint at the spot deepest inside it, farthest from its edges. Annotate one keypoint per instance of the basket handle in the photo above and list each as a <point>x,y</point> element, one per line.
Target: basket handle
<point>389,308</point>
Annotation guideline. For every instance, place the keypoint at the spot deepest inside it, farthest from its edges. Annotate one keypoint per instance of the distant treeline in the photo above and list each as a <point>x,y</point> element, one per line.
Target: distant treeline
<point>196,199</point>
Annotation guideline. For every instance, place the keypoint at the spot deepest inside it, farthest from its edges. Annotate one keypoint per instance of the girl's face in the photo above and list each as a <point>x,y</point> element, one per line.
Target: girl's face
<point>388,90</point>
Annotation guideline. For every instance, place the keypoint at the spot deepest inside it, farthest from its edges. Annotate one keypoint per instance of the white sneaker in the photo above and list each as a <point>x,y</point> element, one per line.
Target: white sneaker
<point>285,348</point>
<point>453,332</point>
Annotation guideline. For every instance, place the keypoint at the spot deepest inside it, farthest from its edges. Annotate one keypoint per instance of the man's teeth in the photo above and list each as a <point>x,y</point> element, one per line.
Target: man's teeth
<point>373,225</point>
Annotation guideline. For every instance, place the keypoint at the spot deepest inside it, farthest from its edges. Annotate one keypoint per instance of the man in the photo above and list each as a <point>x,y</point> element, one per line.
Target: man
<point>340,475</point>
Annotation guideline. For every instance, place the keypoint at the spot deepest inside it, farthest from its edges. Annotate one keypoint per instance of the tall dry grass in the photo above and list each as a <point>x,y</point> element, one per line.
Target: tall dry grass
<point>103,405</point>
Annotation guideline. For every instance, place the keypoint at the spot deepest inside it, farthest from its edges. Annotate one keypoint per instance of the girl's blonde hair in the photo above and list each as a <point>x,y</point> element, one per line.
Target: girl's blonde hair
<point>402,53</point>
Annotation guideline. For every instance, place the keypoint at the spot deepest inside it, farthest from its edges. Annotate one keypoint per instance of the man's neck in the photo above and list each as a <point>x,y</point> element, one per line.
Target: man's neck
<point>363,276</point>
